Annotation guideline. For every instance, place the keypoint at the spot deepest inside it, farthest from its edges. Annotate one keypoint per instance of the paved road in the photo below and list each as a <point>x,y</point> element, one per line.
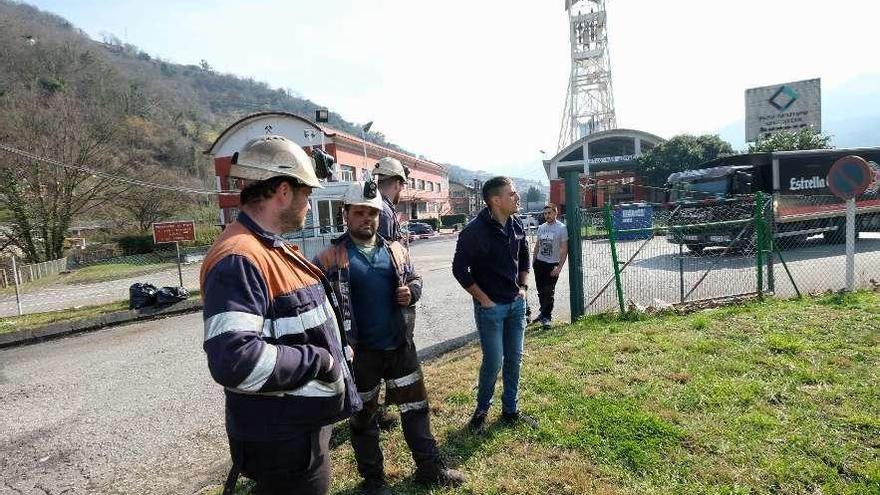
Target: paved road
<point>132,409</point>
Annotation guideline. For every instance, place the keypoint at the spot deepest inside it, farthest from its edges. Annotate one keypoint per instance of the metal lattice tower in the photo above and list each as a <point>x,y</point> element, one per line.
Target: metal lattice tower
<point>589,101</point>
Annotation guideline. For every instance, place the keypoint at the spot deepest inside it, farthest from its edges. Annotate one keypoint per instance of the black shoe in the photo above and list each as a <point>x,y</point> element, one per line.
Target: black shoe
<point>511,419</point>
<point>375,486</point>
<point>477,423</point>
<point>436,473</point>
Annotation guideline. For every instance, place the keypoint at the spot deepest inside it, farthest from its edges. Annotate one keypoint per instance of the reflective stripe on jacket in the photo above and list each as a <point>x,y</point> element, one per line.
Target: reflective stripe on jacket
<point>271,334</point>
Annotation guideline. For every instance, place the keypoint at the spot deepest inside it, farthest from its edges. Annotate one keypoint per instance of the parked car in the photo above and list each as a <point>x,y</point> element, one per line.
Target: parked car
<point>419,230</point>
<point>528,221</point>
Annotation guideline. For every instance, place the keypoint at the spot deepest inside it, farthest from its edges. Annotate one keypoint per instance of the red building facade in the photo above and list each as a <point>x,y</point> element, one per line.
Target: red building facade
<point>427,194</point>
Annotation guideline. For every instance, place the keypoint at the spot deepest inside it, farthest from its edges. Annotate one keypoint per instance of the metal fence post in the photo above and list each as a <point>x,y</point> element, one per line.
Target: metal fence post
<point>770,240</point>
<point>681,272</point>
<point>16,280</point>
<point>575,243</point>
<point>850,244</point>
<point>179,269</point>
<point>759,244</point>
<point>609,226</point>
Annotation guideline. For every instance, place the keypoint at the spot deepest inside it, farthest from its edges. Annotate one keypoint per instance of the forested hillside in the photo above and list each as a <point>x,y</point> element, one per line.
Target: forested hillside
<point>109,106</point>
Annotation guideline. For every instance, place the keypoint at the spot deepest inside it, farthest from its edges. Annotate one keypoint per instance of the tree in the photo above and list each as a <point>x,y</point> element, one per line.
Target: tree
<point>682,152</point>
<point>44,198</point>
<point>146,206</point>
<point>804,139</point>
<point>533,195</point>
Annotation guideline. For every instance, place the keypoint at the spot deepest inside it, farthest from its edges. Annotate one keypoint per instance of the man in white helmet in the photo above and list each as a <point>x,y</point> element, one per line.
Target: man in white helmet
<point>272,329</point>
<point>392,177</point>
<point>377,289</point>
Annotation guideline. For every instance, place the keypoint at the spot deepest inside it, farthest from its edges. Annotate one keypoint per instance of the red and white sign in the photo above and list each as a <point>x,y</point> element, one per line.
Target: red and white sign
<point>173,232</point>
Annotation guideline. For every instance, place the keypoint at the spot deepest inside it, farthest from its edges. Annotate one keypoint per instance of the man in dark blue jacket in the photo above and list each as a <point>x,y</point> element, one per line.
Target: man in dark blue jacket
<point>492,264</point>
<point>273,335</point>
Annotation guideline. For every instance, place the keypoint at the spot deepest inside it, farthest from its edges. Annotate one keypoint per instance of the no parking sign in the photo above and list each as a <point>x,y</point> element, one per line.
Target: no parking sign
<point>849,177</point>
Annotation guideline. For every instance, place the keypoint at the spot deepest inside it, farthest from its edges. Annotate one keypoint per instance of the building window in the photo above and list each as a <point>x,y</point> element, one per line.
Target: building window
<point>421,184</point>
<point>412,183</point>
<point>330,216</point>
<point>430,186</point>
<point>346,173</point>
<point>438,187</point>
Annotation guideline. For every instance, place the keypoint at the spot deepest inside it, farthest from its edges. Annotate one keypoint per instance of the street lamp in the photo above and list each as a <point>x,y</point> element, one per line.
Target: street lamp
<point>364,130</point>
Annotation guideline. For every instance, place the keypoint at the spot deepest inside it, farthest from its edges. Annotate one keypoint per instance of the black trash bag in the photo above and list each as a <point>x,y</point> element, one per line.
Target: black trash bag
<point>171,295</point>
<point>141,295</point>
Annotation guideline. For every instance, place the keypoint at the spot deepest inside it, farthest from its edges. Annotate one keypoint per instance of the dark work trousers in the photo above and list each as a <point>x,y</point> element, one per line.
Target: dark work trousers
<point>298,466</point>
<point>405,387</point>
<point>546,286</point>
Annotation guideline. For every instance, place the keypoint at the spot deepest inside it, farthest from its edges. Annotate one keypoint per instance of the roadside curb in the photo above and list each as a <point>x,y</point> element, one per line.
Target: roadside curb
<point>435,351</point>
<point>61,329</point>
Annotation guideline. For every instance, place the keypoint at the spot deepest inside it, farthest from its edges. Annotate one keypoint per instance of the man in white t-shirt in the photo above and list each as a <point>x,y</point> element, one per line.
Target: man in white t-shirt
<point>551,251</point>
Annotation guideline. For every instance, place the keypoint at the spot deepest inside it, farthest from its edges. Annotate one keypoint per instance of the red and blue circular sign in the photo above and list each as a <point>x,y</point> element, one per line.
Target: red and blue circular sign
<point>849,177</point>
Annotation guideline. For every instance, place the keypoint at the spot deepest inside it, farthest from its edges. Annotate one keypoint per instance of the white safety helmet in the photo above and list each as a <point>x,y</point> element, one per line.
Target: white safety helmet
<point>272,156</point>
<point>391,167</point>
<point>358,193</point>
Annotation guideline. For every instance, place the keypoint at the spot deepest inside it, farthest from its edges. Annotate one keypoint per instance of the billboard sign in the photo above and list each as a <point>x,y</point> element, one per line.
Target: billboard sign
<point>783,107</point>
<point>173,232</point>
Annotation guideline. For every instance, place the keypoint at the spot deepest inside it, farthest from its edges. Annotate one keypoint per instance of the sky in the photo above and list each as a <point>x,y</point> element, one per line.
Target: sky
<point>482,83</point>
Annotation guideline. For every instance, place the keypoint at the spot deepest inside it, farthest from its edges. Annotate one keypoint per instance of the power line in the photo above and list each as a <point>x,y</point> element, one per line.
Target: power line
<point>105,175</point>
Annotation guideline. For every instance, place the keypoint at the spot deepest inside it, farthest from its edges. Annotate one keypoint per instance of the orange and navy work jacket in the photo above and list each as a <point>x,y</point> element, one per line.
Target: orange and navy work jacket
<point>335,263</point>
<point>272,336</point>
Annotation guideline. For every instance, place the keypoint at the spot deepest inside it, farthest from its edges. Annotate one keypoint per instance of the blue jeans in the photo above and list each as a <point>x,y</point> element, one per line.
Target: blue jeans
<point>501,330</point>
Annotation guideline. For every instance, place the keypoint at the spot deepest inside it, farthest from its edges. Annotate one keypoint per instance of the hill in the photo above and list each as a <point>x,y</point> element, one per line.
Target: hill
<point>111,106</point>
<point>467,176</point>
<point>198,101</point>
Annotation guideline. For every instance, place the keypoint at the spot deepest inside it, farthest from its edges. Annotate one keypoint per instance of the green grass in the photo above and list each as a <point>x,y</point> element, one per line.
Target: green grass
<point>112,271</point>
<point>37,320</point>
<point>765,398</point>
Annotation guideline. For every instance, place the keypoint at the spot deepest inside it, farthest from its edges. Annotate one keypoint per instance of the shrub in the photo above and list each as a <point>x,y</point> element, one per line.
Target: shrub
<point>450,220</point>
<point>136,244</point>
<point>205,235</point>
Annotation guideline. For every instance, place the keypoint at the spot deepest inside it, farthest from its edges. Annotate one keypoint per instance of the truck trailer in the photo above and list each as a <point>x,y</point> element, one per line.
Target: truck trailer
<point>715,201</point>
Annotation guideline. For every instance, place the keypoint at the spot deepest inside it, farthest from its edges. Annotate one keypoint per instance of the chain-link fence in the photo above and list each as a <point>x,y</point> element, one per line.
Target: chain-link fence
<point>809,244</point>
<point>89,280</point>
<point>656,254</point>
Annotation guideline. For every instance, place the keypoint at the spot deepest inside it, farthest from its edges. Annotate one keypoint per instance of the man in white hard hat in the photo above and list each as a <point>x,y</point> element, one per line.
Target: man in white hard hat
<point>272,330</point>
<point>377,289</point>
<point>392,177</point>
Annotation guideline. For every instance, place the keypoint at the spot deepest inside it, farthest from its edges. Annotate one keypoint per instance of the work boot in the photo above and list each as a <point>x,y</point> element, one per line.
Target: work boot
<point>511,419</point>
<point>477,423</point>
<point>436,473</point>
<point>387,420</point>
<point>375,486</point>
